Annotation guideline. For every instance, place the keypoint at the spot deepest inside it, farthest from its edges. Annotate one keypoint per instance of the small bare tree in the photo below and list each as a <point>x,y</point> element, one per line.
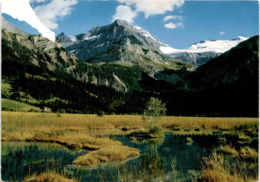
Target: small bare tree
<point>153,112</point>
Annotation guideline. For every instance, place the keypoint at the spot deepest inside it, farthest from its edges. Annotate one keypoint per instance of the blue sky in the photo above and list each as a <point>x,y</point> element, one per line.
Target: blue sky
<point>198,20</point>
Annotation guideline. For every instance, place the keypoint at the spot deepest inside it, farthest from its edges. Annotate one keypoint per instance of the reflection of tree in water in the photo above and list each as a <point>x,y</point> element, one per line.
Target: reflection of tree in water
<point>153,163</point>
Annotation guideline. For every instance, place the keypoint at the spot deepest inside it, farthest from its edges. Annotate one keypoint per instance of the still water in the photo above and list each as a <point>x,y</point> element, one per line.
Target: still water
<point>158,159</point>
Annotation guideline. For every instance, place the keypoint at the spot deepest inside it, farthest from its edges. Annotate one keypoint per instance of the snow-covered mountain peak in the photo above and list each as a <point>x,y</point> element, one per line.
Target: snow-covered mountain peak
<point>218,46</point>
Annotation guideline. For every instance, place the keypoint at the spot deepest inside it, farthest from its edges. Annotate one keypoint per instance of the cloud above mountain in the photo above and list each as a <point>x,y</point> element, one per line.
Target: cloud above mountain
<point>153,7</point>
<point>125,13</point>
<point>51,12</point>
<point>149,7</point>
<point>22,10</point>
<point>43,16</point>
<point>171,25</point>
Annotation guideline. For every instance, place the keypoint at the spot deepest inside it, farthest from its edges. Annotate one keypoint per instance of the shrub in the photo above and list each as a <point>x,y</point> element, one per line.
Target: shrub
<point>153,112</point>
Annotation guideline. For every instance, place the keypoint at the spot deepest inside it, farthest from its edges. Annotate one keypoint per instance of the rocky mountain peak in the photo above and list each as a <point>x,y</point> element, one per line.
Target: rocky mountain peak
<point>99,39</point>
<point>120,22</point>
<point>62,37</point>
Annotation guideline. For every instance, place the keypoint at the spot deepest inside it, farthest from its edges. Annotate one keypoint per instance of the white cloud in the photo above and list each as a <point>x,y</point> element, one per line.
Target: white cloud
<point>21,10</point>
<point>173,25</point>
<point>153,7</point>
<point>222,33</point>
<point>124,13</point>
<point>37,1</point>
<point>175,17</point>
<point>51,12</point>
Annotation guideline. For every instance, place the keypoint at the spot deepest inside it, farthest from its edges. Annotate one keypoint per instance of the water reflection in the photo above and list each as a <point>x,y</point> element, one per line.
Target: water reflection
<point>162,159</point>
<point>21,159</point>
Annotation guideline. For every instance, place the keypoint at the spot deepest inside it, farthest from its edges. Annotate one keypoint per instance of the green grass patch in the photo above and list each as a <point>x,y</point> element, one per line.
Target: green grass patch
<point>6,87</point>
<point>12,105</point>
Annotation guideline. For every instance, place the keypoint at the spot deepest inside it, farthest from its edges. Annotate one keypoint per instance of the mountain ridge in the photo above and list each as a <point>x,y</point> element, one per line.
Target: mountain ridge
<point>122,43</point>
<point>99,39</point>
<point>12,28</point>
<point>105,36</point>
<point>203,51</point>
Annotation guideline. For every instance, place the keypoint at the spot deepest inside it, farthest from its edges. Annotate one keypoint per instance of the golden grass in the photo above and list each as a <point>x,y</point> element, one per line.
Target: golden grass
<point>48,177</point>
<point>211,175</point>
<point>218,168</point>
<point>189,140</point>
<point>48,123</point>
<point>214,170</point>
<point>227,149</point>
<point>244,138</point>
<point>110,153</point>
<point>248,154</point>
<point>209,122</point>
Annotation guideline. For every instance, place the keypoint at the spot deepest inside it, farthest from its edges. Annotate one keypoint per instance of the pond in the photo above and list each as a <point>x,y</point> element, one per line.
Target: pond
<point>168,158</point>
<point>21,159</point>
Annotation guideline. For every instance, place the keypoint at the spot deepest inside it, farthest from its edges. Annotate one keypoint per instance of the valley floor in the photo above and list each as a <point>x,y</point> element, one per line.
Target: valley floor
<point>94,132</point>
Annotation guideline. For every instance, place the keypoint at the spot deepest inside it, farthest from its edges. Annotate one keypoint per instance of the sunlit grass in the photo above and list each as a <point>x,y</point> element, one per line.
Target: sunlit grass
<point>48,177</point>
<point>227,149</point>
<point>49,123</point>
<point>248,154</point>
<point>106,154</point>
<point>219,167</point>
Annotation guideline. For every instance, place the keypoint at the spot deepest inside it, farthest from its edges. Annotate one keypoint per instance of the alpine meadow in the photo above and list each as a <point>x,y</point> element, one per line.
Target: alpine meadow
<point>130,91</point>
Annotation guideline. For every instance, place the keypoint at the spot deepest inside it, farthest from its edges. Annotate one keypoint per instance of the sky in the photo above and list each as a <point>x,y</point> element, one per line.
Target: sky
<point>177,23</point>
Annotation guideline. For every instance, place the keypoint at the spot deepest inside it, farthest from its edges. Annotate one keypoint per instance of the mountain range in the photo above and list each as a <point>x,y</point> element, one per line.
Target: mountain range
<point>203,51</point>
<point>99,40</point>
<point>124,44</point>
<point>118,67</point>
